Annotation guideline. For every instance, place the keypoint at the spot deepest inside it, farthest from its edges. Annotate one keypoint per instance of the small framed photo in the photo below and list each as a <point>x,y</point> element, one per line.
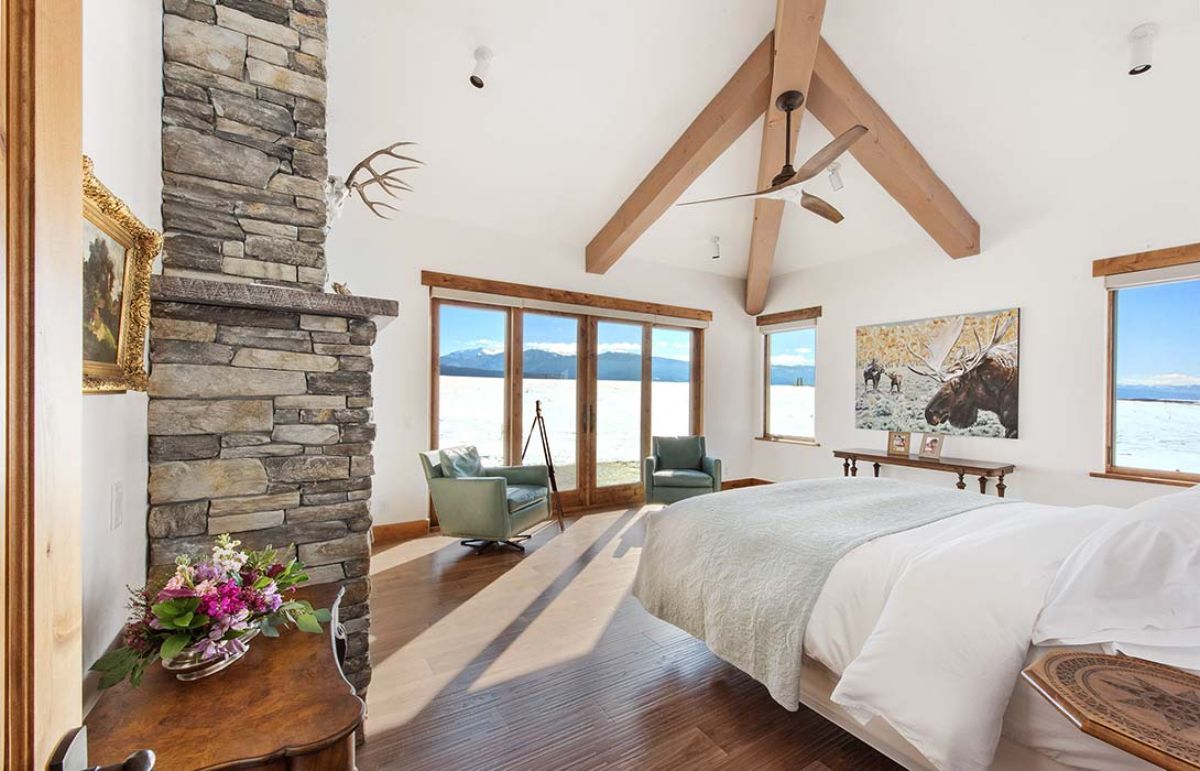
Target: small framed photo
<point>899,442</point>
<point>931,446</point>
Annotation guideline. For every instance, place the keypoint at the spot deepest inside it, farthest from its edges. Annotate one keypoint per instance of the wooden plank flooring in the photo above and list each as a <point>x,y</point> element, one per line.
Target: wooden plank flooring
<point>546,661</point>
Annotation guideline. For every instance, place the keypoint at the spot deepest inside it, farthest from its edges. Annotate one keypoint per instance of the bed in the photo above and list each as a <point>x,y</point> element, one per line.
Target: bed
<point>908,627</point>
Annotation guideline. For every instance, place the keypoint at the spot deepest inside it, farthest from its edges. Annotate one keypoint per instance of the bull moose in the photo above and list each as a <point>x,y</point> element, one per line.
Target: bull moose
<point>872,373</point>
<point>983,380</point>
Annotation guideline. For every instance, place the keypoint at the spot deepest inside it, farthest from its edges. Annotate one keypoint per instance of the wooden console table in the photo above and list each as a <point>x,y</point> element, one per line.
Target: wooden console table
<point>1149,710</point>
<point>961,466</point>
<point>285,705</point>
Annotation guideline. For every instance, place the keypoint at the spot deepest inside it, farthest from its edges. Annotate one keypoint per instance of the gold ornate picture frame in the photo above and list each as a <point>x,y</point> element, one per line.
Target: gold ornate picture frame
<point>118,252</point>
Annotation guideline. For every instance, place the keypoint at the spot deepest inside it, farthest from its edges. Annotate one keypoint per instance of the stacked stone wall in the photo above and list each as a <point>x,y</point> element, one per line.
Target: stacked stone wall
<point>243,140</point>
<point>260,426</point>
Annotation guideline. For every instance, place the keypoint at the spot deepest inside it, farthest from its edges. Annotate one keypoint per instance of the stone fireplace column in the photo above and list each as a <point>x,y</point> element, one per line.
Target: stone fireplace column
<point>260,384</point>
<point>260,427</point>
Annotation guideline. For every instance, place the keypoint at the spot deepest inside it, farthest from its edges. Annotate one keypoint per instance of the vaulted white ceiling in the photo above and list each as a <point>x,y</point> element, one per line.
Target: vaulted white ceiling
<point>1022,107</point>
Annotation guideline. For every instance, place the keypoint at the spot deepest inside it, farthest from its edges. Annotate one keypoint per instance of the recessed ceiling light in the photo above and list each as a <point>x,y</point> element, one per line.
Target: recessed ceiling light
<point>1141,42</point>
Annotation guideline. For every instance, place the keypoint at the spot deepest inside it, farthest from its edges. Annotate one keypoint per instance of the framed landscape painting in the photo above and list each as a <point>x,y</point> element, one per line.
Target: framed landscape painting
<point>118,252</point>
<point>951,375</point>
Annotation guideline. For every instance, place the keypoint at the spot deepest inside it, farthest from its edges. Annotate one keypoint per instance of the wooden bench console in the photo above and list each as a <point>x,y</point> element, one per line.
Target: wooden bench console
<point>985,470</point>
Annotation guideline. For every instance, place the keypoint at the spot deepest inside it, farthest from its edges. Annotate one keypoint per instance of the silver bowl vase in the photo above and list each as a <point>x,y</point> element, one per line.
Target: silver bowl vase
<point>188,665</point>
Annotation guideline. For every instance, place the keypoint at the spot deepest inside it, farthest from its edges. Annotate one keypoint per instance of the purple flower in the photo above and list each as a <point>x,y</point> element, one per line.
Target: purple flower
<point>174,594</point>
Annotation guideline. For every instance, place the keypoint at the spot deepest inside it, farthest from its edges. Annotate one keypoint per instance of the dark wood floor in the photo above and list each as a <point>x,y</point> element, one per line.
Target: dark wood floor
<point>545,661</point>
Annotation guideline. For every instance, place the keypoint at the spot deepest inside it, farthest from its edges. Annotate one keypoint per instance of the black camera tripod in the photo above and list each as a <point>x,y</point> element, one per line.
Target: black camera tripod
<point>539,425</point>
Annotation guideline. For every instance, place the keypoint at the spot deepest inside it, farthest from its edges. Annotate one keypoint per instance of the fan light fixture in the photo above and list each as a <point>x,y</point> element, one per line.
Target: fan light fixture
<point>786,184</point>
<point>835,176</point>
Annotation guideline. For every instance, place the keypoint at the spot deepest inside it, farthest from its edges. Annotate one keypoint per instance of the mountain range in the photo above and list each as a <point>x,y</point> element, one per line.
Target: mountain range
<point>547,365</point>
<point>1156,393</point>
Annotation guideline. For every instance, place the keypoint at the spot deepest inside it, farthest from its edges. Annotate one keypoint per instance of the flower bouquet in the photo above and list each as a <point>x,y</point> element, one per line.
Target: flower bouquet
<point>204,616</point>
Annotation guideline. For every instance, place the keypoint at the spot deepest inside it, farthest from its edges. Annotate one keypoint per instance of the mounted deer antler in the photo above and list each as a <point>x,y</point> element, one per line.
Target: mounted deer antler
<point>362,177</point>
<point>388,180</point>
<point>934,365</point>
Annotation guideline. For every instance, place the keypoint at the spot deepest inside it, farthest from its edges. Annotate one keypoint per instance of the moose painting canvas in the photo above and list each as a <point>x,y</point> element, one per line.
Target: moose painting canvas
<point>953,375</point>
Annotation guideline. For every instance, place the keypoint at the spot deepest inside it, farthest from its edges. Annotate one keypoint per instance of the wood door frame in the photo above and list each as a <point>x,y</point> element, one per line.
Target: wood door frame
<point>573,499</point>
<point>587,495</point>
<point>43,200</point>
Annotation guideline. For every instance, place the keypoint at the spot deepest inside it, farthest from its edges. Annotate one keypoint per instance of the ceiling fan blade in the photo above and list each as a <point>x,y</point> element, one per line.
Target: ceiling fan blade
<point>820,207</point>
<point>828,154</point>
<point>729,197</point>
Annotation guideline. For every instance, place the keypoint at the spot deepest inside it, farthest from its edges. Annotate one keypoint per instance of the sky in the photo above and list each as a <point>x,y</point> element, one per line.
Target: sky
<point>463,328</point>
<point>1157,340</point>
<point>795,347</point>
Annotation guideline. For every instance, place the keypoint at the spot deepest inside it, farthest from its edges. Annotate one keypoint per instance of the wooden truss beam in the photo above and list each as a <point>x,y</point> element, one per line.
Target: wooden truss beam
<point>797,38</point>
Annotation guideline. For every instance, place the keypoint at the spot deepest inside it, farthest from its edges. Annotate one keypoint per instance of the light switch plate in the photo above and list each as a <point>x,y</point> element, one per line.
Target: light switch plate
<point>116,505</point>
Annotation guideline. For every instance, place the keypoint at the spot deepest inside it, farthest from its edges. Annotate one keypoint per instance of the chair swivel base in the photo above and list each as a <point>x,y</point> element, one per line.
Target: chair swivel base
<point>481,545</point>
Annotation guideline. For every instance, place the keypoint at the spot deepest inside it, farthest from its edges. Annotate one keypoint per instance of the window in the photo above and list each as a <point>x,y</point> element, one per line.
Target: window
<point>790,374</point>
<point>471,378</point>
<point>550,377</point>
<point>608,374</point>
<point>671,382</point>
<point>1154,410</point>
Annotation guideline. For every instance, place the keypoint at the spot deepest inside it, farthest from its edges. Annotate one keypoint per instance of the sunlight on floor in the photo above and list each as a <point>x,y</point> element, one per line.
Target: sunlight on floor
<point>408,551</point>
<point>569,628</point>
<point>531,609</point>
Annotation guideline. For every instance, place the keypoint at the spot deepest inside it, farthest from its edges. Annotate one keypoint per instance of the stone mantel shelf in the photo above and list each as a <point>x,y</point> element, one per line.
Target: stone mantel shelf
<point>238,295</point>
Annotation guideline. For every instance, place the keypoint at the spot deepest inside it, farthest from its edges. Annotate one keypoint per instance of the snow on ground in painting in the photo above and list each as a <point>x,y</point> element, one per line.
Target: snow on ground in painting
<point>472,412</point>
<point>1164,436</point>
<point>888,410</point>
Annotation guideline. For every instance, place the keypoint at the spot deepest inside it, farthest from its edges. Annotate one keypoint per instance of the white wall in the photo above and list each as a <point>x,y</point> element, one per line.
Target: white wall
<point>1042,266</point>
<point>385,259</point>
<point>122,92</point>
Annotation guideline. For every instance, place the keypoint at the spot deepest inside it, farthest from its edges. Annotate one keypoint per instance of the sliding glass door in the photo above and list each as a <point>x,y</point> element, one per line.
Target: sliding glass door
<point>550,377</point>
<point>619,406</point>
<point>605,386</point>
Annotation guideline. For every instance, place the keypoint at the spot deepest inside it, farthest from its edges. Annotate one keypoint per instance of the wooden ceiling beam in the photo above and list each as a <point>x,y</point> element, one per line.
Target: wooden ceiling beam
<point>733,110</point>
<point>797,38</point>
<point>839,102</point>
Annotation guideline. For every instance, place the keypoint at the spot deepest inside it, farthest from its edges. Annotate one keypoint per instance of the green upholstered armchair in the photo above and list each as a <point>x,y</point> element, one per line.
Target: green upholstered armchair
<point>485,505</point>
<point>679,468</point>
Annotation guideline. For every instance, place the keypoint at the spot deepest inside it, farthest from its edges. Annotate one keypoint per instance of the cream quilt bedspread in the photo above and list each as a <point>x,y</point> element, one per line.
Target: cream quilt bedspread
<point>742,569</point>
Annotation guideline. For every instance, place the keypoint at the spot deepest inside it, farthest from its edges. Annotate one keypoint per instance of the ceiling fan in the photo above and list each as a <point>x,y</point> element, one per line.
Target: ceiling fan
<point>785,185</point>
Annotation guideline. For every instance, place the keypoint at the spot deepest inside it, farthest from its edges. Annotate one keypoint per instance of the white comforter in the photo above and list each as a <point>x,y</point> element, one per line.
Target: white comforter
<point>929,628</point>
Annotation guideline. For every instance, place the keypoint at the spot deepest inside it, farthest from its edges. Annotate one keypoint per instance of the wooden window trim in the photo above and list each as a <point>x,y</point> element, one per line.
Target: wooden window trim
<point>1186,254</point>
<point>785,317</point>
<point>767,435</point>
<point>1111,469</point>
<point>544,294</point>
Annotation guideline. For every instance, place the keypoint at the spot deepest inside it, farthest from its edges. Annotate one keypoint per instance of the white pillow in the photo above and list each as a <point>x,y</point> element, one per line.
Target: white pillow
<point>1135,581</point>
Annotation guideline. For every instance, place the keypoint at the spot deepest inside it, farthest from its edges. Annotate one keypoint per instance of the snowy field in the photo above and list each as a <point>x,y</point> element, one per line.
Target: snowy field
<point>472,412</point>
<point>793,410</point>
<point>1163,436</point>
